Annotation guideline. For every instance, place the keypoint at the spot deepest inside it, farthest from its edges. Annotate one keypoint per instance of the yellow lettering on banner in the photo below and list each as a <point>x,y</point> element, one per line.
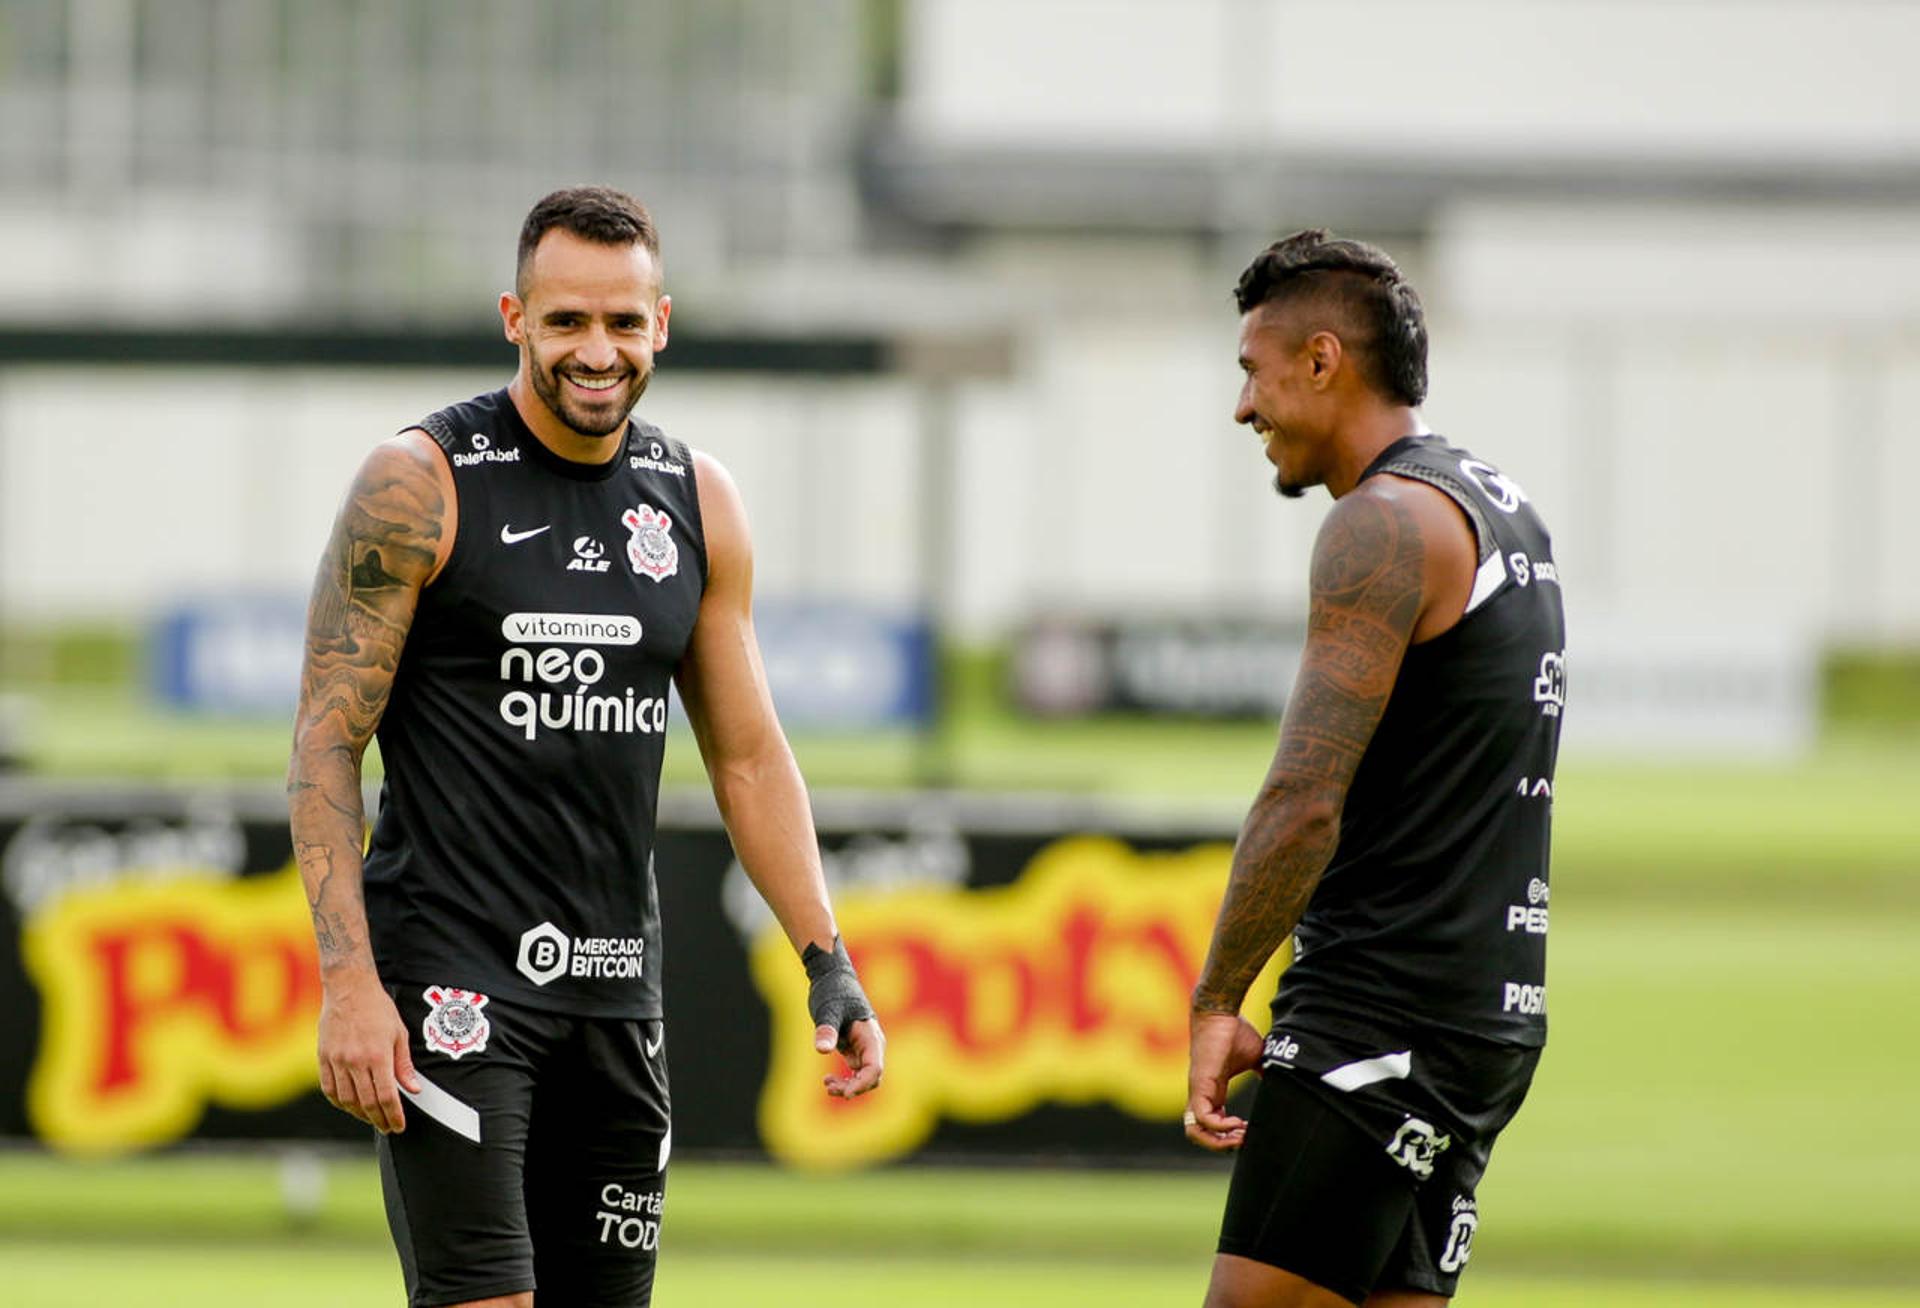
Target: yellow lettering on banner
<point>1069,986</point>
<point>160,996</point>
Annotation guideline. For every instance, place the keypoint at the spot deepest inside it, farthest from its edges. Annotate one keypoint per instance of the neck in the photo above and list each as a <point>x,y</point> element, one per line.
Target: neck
<point>550,431</point>
<point>1361,438</point>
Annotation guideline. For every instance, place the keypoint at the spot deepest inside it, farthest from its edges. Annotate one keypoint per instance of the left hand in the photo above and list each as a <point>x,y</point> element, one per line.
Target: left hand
<point>1222,1046</point>
<point>865,1049</point>
<point>843,1019</point>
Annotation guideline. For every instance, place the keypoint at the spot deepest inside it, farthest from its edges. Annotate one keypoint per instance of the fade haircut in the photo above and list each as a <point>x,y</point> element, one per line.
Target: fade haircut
<point>1359,285</point>
<point>593,213</point>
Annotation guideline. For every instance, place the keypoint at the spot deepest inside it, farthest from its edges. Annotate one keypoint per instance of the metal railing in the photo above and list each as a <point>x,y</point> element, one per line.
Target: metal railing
<point>400,141</point>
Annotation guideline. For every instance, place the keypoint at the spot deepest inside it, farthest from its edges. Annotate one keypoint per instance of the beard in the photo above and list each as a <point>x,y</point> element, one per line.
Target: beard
<point>1287,489</point>
<point>589,418</point>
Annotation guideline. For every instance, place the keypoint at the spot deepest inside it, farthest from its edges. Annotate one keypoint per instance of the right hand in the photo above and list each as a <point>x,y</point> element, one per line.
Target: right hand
<point>1223,1046</point>
<point>363,1051</point>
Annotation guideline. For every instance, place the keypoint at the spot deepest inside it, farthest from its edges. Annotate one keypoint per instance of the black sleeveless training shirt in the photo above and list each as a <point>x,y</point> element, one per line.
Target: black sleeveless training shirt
<point>513,853</point>
<point>1433,910</point>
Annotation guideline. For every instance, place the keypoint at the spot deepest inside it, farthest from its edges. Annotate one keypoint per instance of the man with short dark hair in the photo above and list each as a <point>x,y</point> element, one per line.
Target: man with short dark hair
<point>1401,834</point>
<point>511,587</point>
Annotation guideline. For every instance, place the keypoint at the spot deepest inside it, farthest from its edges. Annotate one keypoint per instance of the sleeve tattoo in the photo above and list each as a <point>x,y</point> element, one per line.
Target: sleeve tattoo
<point>1367,587</point>
<point>383,547</point>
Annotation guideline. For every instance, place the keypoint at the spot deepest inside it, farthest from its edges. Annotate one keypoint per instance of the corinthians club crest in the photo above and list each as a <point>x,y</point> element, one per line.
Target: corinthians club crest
<point>650,548</point>
<point>455,1024</point>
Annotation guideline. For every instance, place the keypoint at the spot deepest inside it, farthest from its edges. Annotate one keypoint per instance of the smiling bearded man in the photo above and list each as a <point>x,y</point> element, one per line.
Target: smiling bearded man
<point>496,959</point>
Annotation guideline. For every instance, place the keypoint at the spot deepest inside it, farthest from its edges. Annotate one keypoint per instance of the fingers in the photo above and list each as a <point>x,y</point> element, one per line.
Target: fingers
<point>364,1055</point>
<point>1224,1045</point>
<point>388,1101</point>
<point>865,1052</point>
<point>1211,1128</point>
<point>369,1089</point>
<point>337,1084</point>
<point>403,1065</point>
<point>377,1101</point>
<point>824,1039</point>
<point>362,1101</point>
<point>852,1087</point>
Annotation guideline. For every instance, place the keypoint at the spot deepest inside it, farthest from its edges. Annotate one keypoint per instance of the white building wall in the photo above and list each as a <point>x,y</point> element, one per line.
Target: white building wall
<point>1467,77</point>
<point>1716,413</point>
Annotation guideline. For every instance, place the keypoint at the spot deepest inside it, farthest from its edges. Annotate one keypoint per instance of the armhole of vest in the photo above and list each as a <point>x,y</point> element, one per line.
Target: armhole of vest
<point>437,429</point>
<point>684,452</point>
<point>1490,575</point>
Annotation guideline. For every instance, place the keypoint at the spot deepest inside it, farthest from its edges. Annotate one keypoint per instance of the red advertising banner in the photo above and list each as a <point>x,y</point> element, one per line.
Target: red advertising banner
<point>1031,963</point>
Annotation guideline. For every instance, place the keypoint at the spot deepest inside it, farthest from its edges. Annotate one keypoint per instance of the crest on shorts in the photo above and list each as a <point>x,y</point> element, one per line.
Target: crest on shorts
<point>455,1025</point>
<point>1415,1145</point>
<point>651,547</point>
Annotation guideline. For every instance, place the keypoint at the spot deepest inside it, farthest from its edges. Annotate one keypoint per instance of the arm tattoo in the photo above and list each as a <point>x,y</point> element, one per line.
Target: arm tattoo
<point>1368,569</point>
<point>383,548</point>
<point>330,930</point>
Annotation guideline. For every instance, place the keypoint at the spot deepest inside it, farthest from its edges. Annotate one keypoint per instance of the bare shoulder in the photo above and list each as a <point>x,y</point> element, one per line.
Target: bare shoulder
<point>1449,548</point>
<point>1444,526</point>
<point>714,482</point>
<point>1371,577</point>
<point>723,514</point>
<point>401,507</point>
<point>1370,537</point>
<point>410,461</point>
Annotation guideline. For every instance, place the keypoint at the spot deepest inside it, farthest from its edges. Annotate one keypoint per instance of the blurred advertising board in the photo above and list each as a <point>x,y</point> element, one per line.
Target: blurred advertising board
<point>1031,961</point>
<point>229,654</point>
<point>1748,691</point>
<point>832,666</point>
<point>1218,667</point>
<point>844,667</point>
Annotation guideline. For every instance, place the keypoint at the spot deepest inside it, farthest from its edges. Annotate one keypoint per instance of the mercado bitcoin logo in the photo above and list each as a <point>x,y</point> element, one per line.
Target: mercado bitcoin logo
<point>159,997</point>
<point>1068,986</point>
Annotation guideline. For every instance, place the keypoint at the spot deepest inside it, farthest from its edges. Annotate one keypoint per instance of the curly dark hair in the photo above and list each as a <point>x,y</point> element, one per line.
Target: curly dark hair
<point>594,213</point>
<point>1360,283</point>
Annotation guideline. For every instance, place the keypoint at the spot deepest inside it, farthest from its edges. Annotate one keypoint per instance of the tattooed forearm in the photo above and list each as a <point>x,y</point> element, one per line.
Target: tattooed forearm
<point>1367,585</point>
<point>331,929</point>
<point>385,543</point>
<point>1282,849</point>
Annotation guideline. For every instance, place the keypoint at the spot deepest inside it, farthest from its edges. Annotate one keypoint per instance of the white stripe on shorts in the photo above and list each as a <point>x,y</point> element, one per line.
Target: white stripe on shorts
<point>461,1119</point>
<point>1387,1067</point>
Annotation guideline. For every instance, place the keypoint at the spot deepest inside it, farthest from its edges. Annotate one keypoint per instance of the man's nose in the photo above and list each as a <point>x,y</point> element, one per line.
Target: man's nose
<point>596,350</point>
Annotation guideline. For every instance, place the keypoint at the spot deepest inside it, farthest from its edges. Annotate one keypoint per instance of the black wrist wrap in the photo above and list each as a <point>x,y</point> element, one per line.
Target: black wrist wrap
<point>834,998</point>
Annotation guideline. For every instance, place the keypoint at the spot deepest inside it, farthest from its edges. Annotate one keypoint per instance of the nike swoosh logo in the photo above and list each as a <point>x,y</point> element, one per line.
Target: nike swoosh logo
<point>508,536</point>
<point>653,1045</point>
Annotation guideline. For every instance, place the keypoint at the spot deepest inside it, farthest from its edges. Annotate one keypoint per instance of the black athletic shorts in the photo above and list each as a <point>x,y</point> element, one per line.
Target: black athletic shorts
<point>1363,1154</point>
<point>535,1158</point>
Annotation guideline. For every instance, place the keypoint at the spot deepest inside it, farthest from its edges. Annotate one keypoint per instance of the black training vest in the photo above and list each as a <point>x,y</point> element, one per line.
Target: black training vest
<point>1433,911</point>
<point>514,848</point>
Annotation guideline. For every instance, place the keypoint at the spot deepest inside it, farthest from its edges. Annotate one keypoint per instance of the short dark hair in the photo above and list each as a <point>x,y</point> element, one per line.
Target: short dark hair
<point>1364,285</point>
<point>595,213</point>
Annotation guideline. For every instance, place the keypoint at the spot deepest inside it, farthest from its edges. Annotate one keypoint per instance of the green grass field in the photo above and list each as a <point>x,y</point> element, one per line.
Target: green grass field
<point>1724,1116</point>
<point>214,1232</point>
<point>1843,821</point>
<point>1721,1119</point>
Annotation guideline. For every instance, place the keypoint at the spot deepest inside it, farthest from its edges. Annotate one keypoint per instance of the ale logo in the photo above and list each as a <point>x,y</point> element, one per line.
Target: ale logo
<point>1069,986</point>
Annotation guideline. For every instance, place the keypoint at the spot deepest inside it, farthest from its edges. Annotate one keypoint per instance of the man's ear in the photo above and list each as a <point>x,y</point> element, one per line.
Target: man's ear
<point>513,318</point>
<point>1324,357</point>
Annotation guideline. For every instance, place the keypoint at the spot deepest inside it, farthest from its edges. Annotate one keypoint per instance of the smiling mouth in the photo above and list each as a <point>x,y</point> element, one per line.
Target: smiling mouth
<point>598,385</point>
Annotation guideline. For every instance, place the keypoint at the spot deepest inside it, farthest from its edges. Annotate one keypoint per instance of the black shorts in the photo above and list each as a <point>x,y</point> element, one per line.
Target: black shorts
<point>1362,1157</point>
<point>536,1158</point>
